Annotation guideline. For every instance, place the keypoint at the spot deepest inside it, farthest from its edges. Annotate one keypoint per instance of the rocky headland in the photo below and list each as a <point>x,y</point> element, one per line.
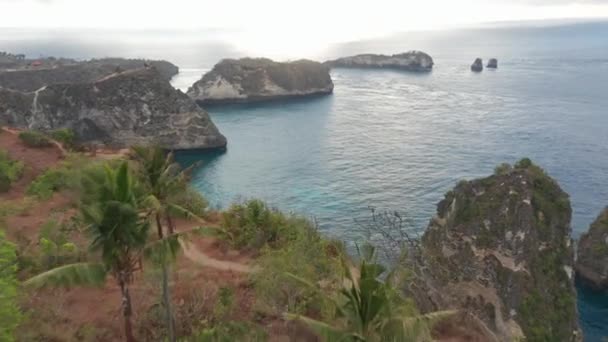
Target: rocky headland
<point>27,75</point>
<point>500,250</point>
<point>123,109</point>
<point>592,254</point>
<point>409,61</point>
<point>258,79</point>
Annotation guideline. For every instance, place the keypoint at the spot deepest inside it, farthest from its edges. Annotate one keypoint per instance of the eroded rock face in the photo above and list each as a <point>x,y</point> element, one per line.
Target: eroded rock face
<point>71,72</point>
<point>477,65</point>
<point>492,63</point>
<point>592,260</point>
<point>257,79</point>
<point>499,249</point>
<point>410,61</point>
<point>124,109</point>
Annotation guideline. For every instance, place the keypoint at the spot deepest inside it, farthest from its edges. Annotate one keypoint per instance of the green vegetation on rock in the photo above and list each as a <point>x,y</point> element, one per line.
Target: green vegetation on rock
<point>35,139</point>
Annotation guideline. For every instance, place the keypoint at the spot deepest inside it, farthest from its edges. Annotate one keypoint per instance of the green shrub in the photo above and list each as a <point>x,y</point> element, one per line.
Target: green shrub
<point>524,163</point>
<point>67,175</point>
<point>10,171</point>
<point>10,315</point>
<point>309,257</point>
<point>34,139</point>
<point>253,225</point>
<point>193,201</point>
<point>502,169</point>
<point>65,136</point>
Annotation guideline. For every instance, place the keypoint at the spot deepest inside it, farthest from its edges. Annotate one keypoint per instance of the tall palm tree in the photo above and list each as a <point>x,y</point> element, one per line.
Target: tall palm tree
<point>119,233</point>
<point>163,180</point>
<point>371,310</point>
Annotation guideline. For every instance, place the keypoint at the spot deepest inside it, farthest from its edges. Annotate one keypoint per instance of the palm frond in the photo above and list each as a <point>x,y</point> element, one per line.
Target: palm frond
<point>80,274</point>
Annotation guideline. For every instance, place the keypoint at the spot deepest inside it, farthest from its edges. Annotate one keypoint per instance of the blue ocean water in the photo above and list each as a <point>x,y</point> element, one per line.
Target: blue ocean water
<point>399,141</point>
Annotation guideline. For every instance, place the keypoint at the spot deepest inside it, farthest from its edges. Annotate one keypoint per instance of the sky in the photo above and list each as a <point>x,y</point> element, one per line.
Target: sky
<point>301,24</point>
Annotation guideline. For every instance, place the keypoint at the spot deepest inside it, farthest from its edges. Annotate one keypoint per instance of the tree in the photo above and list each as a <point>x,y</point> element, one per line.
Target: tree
<point>118,231</point>
<point>10,316</point>
<point>369,309</point>
<point>163,180</point>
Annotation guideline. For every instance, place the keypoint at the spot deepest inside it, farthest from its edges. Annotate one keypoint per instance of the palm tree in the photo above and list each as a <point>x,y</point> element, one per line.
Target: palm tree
<point>119,232</point>
<point>369,309</point>
<point>163,180</point>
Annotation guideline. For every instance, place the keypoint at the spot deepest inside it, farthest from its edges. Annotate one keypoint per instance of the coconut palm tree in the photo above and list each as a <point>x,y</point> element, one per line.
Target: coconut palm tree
<point>119,233</point>
<point>370,309</point>
<point>163,180</point>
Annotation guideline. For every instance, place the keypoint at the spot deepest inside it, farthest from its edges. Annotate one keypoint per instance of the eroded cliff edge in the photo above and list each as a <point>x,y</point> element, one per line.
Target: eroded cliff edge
<point>123,109</point>
<point>500,250</point>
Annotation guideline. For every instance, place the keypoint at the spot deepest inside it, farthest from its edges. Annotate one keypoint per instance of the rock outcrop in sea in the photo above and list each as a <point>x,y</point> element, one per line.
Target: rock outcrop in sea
<point>410,61</point>
<point>477,65</point>
<point>68,71</point>
<point>492,63</point>
<point>258,79</point>
<point>120,110</point>
<point>500,250</point>
<point>592,254</point>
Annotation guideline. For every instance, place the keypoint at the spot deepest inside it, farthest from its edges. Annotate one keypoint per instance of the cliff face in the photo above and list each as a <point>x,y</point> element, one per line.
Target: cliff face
<point>592,260</point>
<point>255,79</point>
<point>134,107</point>
<point>410,61</point>
<point>500,249</point>
<point>32,79</point>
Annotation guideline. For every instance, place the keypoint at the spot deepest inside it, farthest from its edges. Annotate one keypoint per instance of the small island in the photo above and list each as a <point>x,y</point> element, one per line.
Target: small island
<point>259,79</point>
<point>410,61</point>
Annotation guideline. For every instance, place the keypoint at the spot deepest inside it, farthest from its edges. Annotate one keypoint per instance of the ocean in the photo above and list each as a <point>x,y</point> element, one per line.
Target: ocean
<point>397,140</point>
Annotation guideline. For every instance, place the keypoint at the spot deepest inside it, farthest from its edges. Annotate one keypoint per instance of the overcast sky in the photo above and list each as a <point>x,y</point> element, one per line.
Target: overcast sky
<point>302,22</point>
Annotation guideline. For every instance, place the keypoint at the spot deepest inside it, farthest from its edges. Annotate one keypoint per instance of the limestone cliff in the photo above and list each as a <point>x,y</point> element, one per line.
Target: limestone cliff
<point>62,71</point>
<point>410,61</point>
<point>255,79</point>
<point>592,260</point>
<point>133,107</point>
<point>499,249</point>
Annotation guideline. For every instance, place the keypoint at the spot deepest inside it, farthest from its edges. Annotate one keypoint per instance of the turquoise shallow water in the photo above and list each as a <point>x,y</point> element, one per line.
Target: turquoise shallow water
<point>399,141</point>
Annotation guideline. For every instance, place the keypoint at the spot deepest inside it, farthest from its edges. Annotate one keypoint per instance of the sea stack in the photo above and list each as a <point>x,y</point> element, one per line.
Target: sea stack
<point>500,250</point>
<point>477,66</point>
<point>259,79</point>
<point>592,260</point>
<point>409,61</point>
<point>492,63</point>
<point>136,107</point>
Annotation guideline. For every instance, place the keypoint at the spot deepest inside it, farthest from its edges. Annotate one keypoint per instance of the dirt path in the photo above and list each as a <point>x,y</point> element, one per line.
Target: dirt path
<point>194,254</point>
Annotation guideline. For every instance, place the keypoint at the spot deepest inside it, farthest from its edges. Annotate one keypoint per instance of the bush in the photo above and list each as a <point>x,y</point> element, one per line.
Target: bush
<point>193,201</point>
<point>34,139</point>
<point>253,225</point>
<point>309,257</point>
<point>10,171</point>
<point>523,163</point>
<point>66,175</point>
<point>502,169</point>
<point>65,136</point>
